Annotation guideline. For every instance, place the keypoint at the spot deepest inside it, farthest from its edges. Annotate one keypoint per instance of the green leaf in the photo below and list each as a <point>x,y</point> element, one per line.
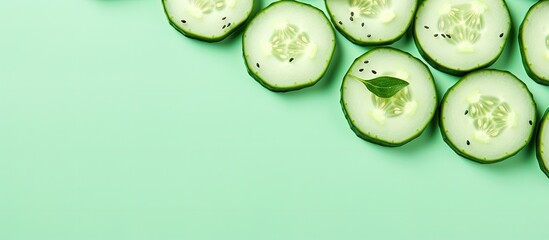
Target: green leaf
<point>383,87</point>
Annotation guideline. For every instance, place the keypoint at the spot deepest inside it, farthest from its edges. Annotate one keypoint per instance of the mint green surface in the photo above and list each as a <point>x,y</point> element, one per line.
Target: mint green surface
<point>115,126</point>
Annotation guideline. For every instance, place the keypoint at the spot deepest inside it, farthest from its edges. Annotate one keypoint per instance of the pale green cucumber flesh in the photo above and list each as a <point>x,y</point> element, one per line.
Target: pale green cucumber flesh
<point>288,46</point>
<point>534,42</point>
<point>207,20</point>
<point>542,144</point>
<point>458,37</point>
<point>392,121</point>
<point>487,116</point>
<point>371,22</point>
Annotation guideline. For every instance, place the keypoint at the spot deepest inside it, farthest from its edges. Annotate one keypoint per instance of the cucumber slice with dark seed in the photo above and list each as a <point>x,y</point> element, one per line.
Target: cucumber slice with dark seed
<point>460,36</point>
<point>487,116</point>
<point>372,22</point>
<point>391,121</point>
<point>207,20</point>
<point>288,46</point>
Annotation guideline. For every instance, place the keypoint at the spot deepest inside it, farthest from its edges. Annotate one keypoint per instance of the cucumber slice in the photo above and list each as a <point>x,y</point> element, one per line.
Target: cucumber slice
<point>542,153</point>
<point>390,121</point>
<point>488,116</point>
<point>459,36</point>
<point>207,20</point>
<point>534,42</point>
<point>288,46</point>
<point>372,22</point>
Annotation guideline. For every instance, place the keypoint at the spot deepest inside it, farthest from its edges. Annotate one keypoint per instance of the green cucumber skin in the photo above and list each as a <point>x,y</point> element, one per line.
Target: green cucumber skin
<point>454,71</point>
<point>479,160</point>
<point>293,88</point>
<point>278,89</point>
<point>363,43</point>
<point>525,62</point>
<point>539,156</point>
<point>206,38</point>
<point>375,140</point>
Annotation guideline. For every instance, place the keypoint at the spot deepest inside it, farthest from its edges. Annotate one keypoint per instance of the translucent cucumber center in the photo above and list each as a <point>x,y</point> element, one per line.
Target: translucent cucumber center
<point>288,43</point>
<point>380,9</point>
<point>197,8</point>
<point>490,116</point>
<point>397,105</point>
<point>462,24</point>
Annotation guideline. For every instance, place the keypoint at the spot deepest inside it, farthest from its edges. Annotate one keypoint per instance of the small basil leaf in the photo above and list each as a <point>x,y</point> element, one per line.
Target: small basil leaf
<point>384,86</point>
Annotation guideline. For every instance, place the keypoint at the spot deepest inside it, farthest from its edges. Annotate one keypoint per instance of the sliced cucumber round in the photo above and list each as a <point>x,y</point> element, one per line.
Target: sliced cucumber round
<point>459,36</point>
<point>372,22</point>
<point>534,42</point>
<point>288,46</point>
<point>487,116</point>
<point>391,121</point>
<point>207,20</point>
<point>542,142</point>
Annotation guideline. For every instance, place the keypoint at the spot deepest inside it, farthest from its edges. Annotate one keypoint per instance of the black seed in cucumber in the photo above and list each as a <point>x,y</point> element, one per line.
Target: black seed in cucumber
<point>288,46</point>
<point>534,42</point>
<point>372,22</point>
<point>499,116</point>
<point>391,121</point>
<point>542,142</point>
<point>207,20</point>
<point>459,36</point>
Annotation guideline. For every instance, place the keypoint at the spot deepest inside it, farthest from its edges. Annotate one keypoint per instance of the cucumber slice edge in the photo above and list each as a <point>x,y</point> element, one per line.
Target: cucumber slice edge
<point>364,43</point>
<point>237,26</point>
<point>450,70</point>
<point>544,168</point>
<point>365,136</point>
<point>455,149</point>
<point>525,62</point>
<point>292,88</point>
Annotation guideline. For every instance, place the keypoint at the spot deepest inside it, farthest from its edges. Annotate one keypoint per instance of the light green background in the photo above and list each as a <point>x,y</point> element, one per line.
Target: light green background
<point>115,126</point>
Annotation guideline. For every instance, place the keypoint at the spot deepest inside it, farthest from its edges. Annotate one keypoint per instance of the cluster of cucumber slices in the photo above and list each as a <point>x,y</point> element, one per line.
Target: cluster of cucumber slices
<point>389,96</point>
